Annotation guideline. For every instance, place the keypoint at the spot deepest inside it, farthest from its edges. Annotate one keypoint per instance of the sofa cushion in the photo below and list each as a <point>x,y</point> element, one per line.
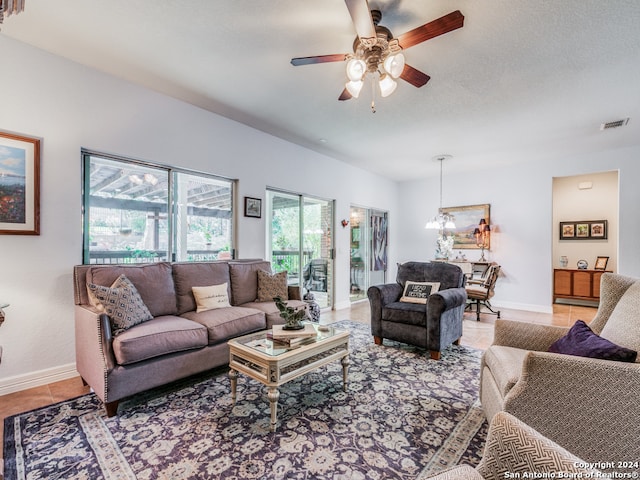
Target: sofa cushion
<point>211,297</point>
<point>581,341</point>
<point>505,364</point>
<point>160,336</point>
<point>403,312</point>
<point>122,302</point>
<point>244,280</point>
<point>271,286</point>
<point>153,281</point>
<point>189,275</point>
<point>271,311</point>
<point>623,326</point>
<point>225,323</point>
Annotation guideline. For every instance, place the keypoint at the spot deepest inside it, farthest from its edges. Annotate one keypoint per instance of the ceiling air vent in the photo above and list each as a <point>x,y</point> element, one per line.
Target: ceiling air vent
<point>614,124</point>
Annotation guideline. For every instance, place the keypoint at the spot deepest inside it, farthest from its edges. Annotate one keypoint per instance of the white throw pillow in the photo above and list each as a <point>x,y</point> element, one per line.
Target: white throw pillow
<point>211,297</point>
<point>417,292</point>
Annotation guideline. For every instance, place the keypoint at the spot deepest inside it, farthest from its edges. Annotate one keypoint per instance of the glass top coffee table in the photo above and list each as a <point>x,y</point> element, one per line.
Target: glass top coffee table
<point>274,363</point>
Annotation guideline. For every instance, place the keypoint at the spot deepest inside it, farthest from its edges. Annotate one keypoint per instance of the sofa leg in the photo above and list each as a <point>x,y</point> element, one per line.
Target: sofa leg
<point>434,355</point>
<point>111,408</point>
<point>84,382</point>
<point>377,340</point>
<point>457,342</point>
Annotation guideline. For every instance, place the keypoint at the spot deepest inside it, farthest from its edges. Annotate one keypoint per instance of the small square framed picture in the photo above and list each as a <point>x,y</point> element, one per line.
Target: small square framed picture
<point>252,207</point>
<point>582,230</point>
<point>601,263</point>
<point>598,230</point>
<point>567,230</point>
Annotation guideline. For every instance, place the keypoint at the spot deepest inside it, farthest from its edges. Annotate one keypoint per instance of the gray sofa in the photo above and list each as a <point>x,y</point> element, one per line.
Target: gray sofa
<point>434,325</point>
<point>178,341</point>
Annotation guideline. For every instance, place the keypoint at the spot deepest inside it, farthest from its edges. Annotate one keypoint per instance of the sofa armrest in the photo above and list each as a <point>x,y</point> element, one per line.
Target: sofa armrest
<point>514,449</point>
<point>526,336</point>
<point>589,406</point>
<point>294,292</point>
<point>94,350</point>
<point>440,302</point>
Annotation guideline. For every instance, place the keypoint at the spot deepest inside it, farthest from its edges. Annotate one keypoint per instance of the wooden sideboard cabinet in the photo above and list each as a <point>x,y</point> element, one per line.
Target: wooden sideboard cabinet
<point>576,284</point>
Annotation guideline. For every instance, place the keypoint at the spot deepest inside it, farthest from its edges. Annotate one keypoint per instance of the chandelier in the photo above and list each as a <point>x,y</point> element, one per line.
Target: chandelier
<point>8,7</point>
<point>441,220</point>
<point>379,58</point>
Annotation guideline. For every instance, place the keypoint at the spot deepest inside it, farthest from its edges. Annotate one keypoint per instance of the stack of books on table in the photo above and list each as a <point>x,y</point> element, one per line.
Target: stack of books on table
<point>291,337</point>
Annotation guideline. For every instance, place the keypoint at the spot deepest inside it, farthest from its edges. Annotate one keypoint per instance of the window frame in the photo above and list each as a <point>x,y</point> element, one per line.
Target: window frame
<point>171,205</point>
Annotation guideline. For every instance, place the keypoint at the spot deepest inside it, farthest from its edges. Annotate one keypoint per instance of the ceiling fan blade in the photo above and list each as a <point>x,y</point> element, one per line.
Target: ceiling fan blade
<point>336,57</point>
<point>345,95</point>
<point>432,29</point>
<point>413,76</point>
<point>361,17</point>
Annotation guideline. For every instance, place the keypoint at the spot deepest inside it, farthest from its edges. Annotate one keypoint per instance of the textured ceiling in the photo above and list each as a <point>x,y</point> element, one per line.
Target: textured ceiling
<point>521,81</point>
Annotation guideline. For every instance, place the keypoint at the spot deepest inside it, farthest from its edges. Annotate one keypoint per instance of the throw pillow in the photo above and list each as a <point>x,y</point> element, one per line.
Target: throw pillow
<point>582,342</point>
<point>270,286</point>
<point>122,302</point>
<point>417,292</point>
<point>212,297</point>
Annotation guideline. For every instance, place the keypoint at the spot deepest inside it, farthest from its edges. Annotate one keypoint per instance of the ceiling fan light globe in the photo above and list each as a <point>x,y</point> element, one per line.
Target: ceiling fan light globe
<point>387,85</point>
<point>356,69</point>
<point>354,87</point>
<point>394,65</point>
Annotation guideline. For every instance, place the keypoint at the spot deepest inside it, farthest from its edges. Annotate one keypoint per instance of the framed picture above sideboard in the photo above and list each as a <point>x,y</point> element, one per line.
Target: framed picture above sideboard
<point>583,230</point>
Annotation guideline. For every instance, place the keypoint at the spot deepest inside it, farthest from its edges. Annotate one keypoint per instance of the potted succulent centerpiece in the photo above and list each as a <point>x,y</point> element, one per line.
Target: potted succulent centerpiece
<point>292,316</point>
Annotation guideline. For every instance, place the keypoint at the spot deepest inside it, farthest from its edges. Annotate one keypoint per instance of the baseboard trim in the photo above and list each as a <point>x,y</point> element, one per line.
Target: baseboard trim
<point>524,306</point>
<point>37,379</point>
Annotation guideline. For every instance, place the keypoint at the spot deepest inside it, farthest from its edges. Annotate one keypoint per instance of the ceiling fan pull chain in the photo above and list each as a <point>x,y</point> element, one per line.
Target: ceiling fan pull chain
<point>373,96</point>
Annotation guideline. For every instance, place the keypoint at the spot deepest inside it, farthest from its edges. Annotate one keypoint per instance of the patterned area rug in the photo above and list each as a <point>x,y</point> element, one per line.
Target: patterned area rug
<point>403,417</point>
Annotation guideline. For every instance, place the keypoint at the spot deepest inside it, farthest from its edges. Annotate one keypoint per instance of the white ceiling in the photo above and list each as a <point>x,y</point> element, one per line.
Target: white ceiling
<point>521,81</point>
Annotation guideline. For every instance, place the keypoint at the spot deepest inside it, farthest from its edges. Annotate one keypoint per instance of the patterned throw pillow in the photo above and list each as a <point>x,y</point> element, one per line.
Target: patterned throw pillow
<point>417,292</point>
<point>122,302</point>
<point>270,286</point>
<point>210,298</point>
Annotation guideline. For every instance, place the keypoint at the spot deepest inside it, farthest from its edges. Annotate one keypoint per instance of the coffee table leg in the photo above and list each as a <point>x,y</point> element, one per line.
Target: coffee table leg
<point>233,377</point>
<point>345,371</point>
<point>273,395</point>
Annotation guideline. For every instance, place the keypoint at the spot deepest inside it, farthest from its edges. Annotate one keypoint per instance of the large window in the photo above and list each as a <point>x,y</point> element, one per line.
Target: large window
<point>136,212</point>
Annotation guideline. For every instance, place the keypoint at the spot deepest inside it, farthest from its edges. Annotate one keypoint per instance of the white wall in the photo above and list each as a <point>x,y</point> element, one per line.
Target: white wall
<point>70,107</point>
<point>521,212</point>
<point>600,202</point>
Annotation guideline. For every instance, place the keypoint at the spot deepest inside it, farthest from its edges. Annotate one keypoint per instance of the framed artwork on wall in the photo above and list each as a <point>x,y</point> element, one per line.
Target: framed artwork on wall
<point>584,230</point>
<point>252,207</point>
<point>467,218</point>
<point>19,185</point>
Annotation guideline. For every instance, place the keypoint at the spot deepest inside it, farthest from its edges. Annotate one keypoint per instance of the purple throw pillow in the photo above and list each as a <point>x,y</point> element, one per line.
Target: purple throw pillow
<point>582,342</point>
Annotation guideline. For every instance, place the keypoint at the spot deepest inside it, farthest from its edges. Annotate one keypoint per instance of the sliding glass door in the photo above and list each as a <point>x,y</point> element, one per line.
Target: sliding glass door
<point>301,242</point>
<point>368,250</point>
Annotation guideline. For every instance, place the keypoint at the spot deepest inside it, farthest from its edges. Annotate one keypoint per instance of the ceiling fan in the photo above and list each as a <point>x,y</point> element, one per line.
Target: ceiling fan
<point>378,54</point>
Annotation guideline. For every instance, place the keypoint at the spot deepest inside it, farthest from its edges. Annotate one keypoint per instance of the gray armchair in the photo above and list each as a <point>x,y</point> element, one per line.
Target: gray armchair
<point>588,406</point>
<point>515,450</point>
<point>434,325</point>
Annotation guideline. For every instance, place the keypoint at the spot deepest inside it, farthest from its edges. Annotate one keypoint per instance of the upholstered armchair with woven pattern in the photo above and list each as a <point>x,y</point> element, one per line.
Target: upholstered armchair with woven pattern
<point>589,406</point>
<point>433,324</point>
<point>513,450</point>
